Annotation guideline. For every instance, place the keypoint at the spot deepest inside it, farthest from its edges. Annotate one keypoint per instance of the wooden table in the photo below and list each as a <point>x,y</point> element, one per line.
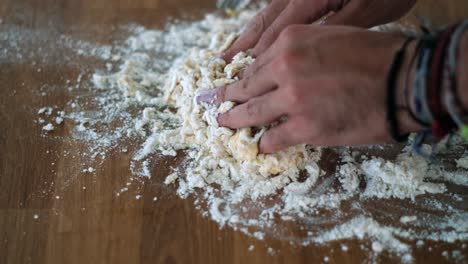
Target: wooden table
<point>48,215</point>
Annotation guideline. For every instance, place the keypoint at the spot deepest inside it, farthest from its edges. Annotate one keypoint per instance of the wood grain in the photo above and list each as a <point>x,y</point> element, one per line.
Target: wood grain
<point>80,217</point>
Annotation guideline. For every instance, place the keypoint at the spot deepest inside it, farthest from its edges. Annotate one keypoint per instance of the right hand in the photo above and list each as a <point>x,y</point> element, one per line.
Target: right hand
<point>330,83</point>
<point>266,26</point>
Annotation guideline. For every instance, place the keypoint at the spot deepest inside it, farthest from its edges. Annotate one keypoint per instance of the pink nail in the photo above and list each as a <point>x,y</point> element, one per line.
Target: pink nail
<point>207,96</point>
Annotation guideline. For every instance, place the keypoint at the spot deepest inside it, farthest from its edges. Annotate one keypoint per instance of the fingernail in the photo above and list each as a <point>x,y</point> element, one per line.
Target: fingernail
<point>207,96</point>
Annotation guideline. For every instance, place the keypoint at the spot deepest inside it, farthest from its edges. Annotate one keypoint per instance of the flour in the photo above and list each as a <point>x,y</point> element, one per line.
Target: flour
<point>171,178</point>
<point>230,159</point>
<point>160,74</point>
<point>49,127</point>
<point>462,162</point>
<point>404,178</point>
<point>406,219</point>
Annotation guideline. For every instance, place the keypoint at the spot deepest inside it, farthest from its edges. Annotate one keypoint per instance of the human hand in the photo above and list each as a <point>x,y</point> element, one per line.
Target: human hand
<point>330,83</point>
<point>264,28</point>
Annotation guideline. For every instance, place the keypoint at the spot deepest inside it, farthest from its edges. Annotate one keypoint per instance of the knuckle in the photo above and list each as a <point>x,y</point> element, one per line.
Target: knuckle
<point>270,34</point>
<point>291,34</point>
<point>248,72</point>
<point>251,70</point>
<point>258,24</point>
<point>287,60</point>
<point>239,90</point>
<point>293,94</point>
<point>221,94</point>
<point>244,84</point>
<point>253,108</point>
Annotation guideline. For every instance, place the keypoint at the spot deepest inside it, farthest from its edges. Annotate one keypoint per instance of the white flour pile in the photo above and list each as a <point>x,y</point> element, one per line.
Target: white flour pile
<point>390,203</point>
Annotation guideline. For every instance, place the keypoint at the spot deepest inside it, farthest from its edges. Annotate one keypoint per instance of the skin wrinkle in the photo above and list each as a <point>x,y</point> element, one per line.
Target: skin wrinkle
<point>245,85</point>
<point>253,108</point>
<point>258,24</point>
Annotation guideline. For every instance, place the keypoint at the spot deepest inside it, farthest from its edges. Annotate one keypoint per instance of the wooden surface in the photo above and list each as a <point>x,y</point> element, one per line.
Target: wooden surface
<point>80,219</point>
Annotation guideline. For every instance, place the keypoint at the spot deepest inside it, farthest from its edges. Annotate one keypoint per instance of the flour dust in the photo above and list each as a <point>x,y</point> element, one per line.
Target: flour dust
<point>146,91</point>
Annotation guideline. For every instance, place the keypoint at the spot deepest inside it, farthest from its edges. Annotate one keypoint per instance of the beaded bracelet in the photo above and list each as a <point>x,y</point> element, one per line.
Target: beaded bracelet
<point>451,98</point>
<point>442,124</point>
<point>392,80</point>
<point>433,101</point>
<point>422,111</point>
<point>407,106</point>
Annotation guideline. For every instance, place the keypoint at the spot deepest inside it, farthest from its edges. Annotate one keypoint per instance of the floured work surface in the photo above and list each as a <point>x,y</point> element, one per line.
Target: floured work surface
<point>392,207</point>
<point>254,192</point>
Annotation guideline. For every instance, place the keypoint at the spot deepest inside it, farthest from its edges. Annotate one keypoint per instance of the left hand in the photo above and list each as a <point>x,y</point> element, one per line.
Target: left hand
<point>266,26</point>
<point>328,81</point>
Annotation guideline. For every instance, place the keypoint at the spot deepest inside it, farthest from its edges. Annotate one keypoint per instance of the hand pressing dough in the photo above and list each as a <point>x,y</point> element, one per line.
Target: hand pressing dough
<point>219,155</point>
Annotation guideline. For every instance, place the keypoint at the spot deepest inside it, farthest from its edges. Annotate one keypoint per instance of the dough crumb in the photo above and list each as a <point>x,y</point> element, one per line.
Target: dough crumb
<point>406,219</point>
<point>49,127</point>
<point>171,178</point>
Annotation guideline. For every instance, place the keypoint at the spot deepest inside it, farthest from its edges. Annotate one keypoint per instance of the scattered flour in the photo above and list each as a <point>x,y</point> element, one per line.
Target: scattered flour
<point>171,178</point>
<point>48,127</point>
<point>406,219</point>
<point>463,162</point>
<point>344,248</point>
<point>252,192</point>
<point>404,178</point>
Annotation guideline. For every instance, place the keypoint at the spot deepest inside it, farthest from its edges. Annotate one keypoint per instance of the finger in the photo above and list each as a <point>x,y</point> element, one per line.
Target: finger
<point>258,111</point>
<point>262,60</point>
<point>248,87</point>
<point>282,136</point>
<point>255,28</point>
<point>345,16</point>
<point>295,13</point>
<point>366,13</point>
